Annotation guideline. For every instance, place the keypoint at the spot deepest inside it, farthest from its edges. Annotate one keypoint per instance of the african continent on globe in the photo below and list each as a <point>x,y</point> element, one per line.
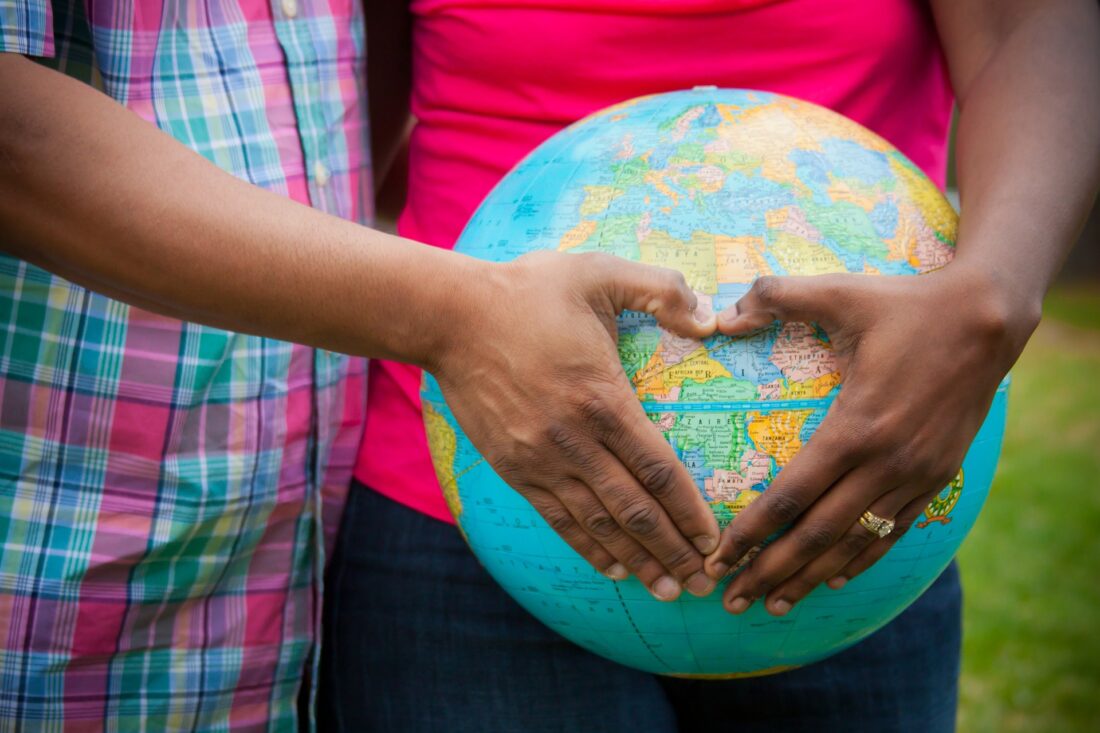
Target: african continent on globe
<point>725,186</point>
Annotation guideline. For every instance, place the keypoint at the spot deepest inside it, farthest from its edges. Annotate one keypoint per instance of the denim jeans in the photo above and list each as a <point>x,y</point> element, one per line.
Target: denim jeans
<point>418,638</point>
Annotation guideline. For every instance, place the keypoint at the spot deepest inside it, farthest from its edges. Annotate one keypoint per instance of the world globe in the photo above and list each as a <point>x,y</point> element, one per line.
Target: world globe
<point>725,186</point>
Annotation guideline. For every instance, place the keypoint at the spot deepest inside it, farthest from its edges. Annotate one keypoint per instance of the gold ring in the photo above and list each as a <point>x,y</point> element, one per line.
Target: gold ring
<point>876,525</point>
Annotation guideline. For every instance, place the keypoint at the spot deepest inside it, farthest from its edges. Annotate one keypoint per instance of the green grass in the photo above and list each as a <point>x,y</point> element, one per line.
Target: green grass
<point>1031,568</point>
<point>1077,305</point>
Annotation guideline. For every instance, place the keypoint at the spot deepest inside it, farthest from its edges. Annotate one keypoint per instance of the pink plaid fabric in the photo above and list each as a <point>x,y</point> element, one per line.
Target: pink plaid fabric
<point>166,488</point>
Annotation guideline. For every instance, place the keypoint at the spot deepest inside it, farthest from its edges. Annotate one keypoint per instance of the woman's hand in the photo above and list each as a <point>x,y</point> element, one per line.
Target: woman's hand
<point>920,358</point>
<point>533,375</point>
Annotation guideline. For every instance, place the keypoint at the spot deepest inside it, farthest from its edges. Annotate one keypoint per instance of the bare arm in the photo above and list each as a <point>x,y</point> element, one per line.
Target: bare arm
<point>119,206</point>
<point>91,192</point>
<point>1027,75</point>
<point>1027,78</point>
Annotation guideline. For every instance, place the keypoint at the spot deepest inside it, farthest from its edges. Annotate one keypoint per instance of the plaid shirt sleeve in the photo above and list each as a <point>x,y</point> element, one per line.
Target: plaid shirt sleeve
<point>26,26</point>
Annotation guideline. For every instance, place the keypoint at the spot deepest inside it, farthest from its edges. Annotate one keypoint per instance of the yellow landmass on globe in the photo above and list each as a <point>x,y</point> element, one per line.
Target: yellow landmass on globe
<point>740,259</point>
<point>695,259</point>
<point>819,387</point>
<point>444,442</point>
<point>826,123</point>
<point>578,235</point>
<point>761,132</point>
<point>915,242</point>
<point>928,200</point>
<point>800,255</point>
<point>743,499</point>
<point>598,198</point>
<point>658,380</point>
<point>656,178</point>
<point>725,510</point>
<point>777,433</point>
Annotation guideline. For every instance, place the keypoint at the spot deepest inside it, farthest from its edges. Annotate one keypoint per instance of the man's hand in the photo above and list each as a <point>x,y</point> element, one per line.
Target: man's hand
<point>525,352</point>
<point>920,358</point>
<point>534,378</point>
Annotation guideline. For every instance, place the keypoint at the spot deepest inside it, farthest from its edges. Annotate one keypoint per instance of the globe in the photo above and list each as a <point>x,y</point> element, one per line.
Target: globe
<point>723,185</point>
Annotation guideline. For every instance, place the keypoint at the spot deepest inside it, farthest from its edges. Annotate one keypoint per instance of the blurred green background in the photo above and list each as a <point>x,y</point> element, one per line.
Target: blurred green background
<point>1031,659</point>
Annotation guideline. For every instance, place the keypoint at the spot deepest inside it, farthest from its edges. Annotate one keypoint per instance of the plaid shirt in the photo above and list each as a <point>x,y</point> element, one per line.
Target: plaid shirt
<point>166,488</point>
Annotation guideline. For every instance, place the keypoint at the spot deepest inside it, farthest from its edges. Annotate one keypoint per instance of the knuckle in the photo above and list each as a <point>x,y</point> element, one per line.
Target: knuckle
<point>867,435</point>
<point>535,258</point>
<point>766,289</point>
<point>570,444</point>
<point>507,466</point>
<point>587,548</point>
<point>815,538</point>
<point>592,260</point>
<point>640,563</point>
<point>780,507</point>
<point>735,544</point>
<point>640,518</point>
<point>600,525</point>
<point>559,520</point>
<point>561,437</point>
<point>675,281</point>
<point>855,541</point>
<point>682,560</point>
<point>849,434</point>
<point>761,586</point>
<point>619,496</point>
<point>799,588</point>
<point>900,461</point>
<point>924,465</point>
<point>657,476</point>
<point>598,413</point>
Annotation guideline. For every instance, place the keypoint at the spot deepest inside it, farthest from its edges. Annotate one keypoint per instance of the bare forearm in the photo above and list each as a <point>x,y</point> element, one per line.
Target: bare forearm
<point>1027,76</point>
<point>93,193</point>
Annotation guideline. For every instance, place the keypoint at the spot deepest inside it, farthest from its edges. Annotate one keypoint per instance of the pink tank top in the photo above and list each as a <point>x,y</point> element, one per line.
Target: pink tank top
<point>494,78</point>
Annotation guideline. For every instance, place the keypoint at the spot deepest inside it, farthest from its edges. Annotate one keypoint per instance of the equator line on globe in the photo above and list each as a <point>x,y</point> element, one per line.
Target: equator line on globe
<point>725,186</point>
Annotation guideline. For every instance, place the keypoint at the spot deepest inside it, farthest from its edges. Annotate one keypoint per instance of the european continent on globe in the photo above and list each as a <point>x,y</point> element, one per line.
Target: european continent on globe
<point>724,186</point>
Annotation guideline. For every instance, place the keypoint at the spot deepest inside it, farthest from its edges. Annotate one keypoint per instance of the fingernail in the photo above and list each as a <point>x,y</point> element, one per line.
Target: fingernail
<point>705,543</point>
<point>728,316</point>
<point>703,313</point>
<point>837,583</point>
<point>616,572</point>
<point>699,584</point>
<point>781,607</point>
<point>739,605</point>
<point>719,570</point>
<point>666,588</point>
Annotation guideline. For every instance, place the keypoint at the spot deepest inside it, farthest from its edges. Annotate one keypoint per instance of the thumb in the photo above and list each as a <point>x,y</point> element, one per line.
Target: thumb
<point>810,299</point>
<point>662,293</point>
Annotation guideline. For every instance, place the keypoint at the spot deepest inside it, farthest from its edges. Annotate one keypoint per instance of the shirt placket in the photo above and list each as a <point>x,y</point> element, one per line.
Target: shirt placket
<point>305,49</point>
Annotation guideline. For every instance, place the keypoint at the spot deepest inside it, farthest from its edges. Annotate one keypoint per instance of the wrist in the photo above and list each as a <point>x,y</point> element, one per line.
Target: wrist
<point>1005,307</point>
<point>462,295</point>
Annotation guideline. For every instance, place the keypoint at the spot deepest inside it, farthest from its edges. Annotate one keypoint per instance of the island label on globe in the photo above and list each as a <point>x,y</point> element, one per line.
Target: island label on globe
<point>725,186</point>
